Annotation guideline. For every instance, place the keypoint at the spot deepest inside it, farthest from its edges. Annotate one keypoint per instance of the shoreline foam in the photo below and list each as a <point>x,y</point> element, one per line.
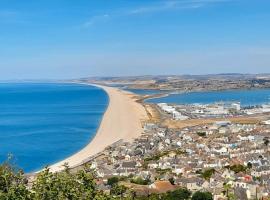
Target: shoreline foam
<point>121,121</point>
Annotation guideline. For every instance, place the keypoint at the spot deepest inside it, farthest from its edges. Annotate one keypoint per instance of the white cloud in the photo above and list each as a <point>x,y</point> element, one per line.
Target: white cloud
<point>174,5</point>
<point>159,6</point>
<point>96,19</point>
<point>154,8</point>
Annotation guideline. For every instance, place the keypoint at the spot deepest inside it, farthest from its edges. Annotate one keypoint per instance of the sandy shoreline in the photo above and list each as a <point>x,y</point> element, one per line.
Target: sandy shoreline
<point>122,120</point>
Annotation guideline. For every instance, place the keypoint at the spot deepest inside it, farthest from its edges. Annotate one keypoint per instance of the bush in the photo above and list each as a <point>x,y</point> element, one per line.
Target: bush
<point>208,173</point>
<point>238,168</point>
<point>179,194</point>
<point>201,134</point>
<point>12,184</point>
<point>202,196</point>
<point>113,180</point>
<point>118,190</point>
<point>64,185</point>
<point>140,181</point>
<point>75,186</point>
<point>172,181</point>
<point>47,185</point>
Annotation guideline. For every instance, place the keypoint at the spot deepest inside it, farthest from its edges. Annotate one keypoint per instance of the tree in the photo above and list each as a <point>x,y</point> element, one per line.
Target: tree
<point>12,183</point>
<point>179,194</point>
<point>172,180</point>
<point>266,141</point>
<point>118,190</point>
<point>88,185</point>
<point>140,181</point>
<point>113,180</point>
<point>227,188</point>
<point>231,196</point>
<point>249,165</point>
<point>65,185</point>
<point>238,168</point>
<point>50,185</point>
<point>201,134</point>
<point>202,196</point>
<point>208,173</point>
<point>47,185</point>
<point>150,197</point>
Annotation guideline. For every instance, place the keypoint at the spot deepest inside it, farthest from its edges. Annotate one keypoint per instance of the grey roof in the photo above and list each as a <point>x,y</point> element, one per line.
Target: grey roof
<point>240,193</point>
<point>129,164</point>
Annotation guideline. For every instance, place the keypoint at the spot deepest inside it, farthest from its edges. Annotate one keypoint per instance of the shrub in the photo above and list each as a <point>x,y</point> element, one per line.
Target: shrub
<point>202,196</point>
<point>208,173</point>
<point>140,181</point>
<point>201,134</point>
<point>113,180</point>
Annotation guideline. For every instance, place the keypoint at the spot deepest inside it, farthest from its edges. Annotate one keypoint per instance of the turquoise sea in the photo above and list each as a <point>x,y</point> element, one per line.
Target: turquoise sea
<point>41,124</point>
<point>246,97</point>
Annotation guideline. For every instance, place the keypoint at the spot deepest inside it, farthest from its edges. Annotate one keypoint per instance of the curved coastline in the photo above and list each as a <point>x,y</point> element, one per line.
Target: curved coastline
<point>122,120</point>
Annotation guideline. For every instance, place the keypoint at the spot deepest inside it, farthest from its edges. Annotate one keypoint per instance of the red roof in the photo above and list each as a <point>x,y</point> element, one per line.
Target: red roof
<point>162,186</point>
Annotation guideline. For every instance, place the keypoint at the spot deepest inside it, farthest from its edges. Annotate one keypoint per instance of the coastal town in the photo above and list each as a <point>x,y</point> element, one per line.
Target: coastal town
<point>221,148</point>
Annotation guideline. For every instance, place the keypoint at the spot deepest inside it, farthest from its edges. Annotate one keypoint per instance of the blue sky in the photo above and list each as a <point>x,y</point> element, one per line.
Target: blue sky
<point>81,38</point>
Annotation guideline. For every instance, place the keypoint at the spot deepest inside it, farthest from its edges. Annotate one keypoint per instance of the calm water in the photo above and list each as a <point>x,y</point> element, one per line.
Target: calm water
<point>246,97</point>
<point>44,123</point>
<point>144,92</point>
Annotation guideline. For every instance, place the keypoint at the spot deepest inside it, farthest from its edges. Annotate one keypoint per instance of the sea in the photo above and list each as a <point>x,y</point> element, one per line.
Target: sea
<point>42,123</point>
<point>145,91</point>
<point>251,97</point>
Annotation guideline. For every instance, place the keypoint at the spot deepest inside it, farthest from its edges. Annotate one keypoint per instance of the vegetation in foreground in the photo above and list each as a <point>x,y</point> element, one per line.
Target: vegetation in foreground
<point>72,186</point>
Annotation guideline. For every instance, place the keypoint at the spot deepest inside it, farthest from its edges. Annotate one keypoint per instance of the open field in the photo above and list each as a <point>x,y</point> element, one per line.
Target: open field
<point>196,122</point>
